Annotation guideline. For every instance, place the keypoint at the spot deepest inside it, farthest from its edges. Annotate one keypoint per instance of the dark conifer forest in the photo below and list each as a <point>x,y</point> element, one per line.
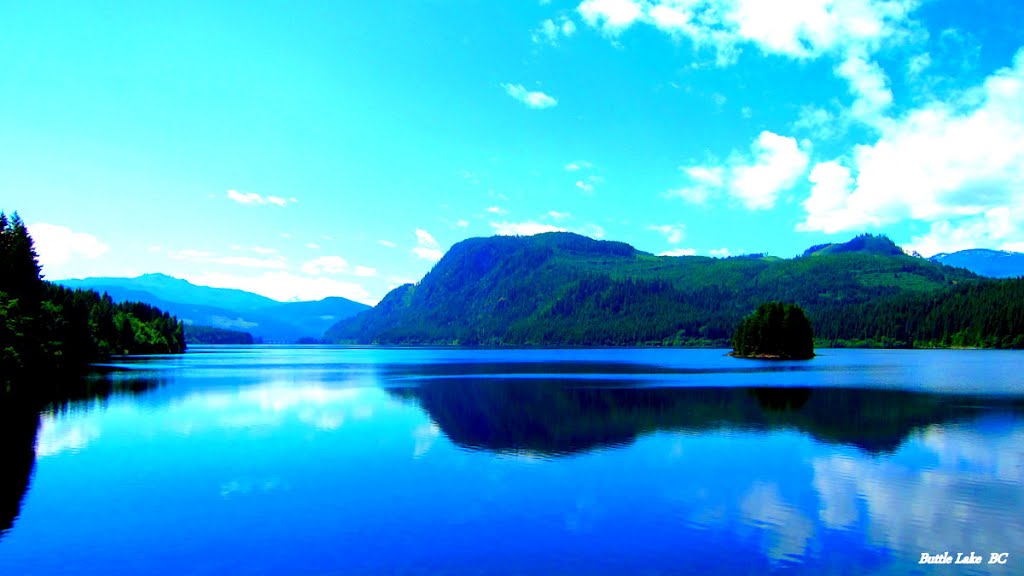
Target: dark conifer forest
<point>774,330</point>
<point>47,330</point>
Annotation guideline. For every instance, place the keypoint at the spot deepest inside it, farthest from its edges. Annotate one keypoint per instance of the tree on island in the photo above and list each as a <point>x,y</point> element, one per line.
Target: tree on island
<point>775,330</point>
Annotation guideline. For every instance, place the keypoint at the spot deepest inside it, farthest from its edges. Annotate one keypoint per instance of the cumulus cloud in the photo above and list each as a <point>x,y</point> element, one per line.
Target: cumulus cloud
<point>673,233</point>
<point>57,245</point>
<point>427,247</point>
<point>612,16</point>
<point>957,164</point>
<point>805,29</point>
<point>774,164</point>
<point>254,198</point>
<point>533,99</point>
<point>523,228</point>
<point>869,86</point>
<point>720,253</point>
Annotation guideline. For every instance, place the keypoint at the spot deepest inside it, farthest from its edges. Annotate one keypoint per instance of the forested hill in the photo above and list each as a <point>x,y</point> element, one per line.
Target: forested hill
<point>564,289</point>
<point>47,329</point>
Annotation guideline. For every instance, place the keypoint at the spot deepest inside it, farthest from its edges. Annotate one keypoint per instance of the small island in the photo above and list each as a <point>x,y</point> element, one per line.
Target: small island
<point>775,331</point>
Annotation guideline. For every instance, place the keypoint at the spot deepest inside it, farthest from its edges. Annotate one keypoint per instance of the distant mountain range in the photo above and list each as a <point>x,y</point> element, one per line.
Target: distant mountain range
<point>560,288</point>
<point>991,263</point>
<point>229,309</point>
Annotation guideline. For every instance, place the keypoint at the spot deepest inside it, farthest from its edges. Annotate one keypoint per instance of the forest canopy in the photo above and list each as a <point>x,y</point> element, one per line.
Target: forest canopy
<point>47,329</point>
<point>774,330</point>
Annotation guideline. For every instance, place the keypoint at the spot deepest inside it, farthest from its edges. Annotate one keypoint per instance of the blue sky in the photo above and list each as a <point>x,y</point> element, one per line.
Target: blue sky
<point>309,149</point>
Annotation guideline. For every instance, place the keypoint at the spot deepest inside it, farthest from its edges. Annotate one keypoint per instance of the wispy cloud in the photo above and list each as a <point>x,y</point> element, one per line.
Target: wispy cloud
<point>559,215</point>
<point>533,99</point>
<point>523,228</point>
<point>325,265</point>
<point>674,233</point>
<point>496,210</point>
<point>427,246</point>
<point>679,252</point>
<point>578,165</point>
<point>387,243</point>
<point>254,198</point>
<point>276,262</point>
<point>550,31</point>
<point>285,286</point>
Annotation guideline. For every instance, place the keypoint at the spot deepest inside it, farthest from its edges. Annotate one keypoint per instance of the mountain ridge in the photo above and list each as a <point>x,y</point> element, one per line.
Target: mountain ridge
<point>226,308</point>
<point>560,288</point>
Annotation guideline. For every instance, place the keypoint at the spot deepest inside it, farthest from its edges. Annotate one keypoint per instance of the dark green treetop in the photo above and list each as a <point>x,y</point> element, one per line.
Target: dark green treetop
<point>774,330</point>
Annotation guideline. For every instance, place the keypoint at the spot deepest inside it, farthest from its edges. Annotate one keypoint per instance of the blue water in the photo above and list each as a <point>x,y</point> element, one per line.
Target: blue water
<point>315,461</point>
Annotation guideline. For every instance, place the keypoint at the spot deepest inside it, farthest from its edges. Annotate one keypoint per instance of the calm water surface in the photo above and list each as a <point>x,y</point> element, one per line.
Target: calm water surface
<point>315,461</point>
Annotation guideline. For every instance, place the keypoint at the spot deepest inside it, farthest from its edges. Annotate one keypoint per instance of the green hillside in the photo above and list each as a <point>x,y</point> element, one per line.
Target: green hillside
<point>565,289</point>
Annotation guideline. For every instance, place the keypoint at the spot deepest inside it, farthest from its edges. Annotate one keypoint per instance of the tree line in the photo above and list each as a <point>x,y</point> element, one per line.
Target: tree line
<point>46,329</point>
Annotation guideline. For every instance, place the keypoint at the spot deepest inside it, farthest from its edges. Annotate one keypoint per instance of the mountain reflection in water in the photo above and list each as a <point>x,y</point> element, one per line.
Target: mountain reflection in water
<point>556,417</point>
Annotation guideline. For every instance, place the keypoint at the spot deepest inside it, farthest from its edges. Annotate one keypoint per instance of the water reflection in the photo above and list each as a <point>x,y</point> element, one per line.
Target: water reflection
<point>18,426</point>
<point>29,431</point>
<point>554,417</point>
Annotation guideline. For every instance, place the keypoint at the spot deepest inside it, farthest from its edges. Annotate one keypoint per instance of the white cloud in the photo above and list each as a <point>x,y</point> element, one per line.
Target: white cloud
<point>559,215</point>
<point>774,165</point>
<point>531,99</point>
<point>523,228</point>
<point>578,165</point>
<point>263,251</point>
<point>462,223</point>
<point>869,86</point>
<point>365,271</point>
<point>325,265</point>
<point>720,253</point>
<point>704,181</point>
<point>387,243</point>
<point>427,247</point>
<point>674,233</point>
<point>777,163</point>
<point>679,252</point>
<point>804,29</point>
<point>285,286</point>
<point>276,262</point>
<point>57,245</point>
<point>550,31</point>
<point>957,164</point>
<point>254,198</point>
<point>612,16</point>
<point>496,210</point>
<point>585,186</point>
<point>591,230</point>
<point>313,246</point>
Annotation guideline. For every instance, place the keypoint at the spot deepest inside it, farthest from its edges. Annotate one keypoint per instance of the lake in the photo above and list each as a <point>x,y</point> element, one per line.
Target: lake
<point>329,460</point>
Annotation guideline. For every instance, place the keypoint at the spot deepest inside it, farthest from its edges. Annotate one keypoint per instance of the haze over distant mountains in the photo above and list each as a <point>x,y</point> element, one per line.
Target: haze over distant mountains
<point>225,308</point>
<point>991,263</point>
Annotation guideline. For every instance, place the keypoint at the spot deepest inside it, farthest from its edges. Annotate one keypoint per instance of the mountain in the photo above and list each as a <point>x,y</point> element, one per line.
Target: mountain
<point>991,263</point>
<point>863,244</point>
<point>564,289</point>
<point>225,308</point>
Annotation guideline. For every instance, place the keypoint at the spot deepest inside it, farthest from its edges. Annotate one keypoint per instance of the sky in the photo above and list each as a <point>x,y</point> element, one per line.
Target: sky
<point>310,149</point>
